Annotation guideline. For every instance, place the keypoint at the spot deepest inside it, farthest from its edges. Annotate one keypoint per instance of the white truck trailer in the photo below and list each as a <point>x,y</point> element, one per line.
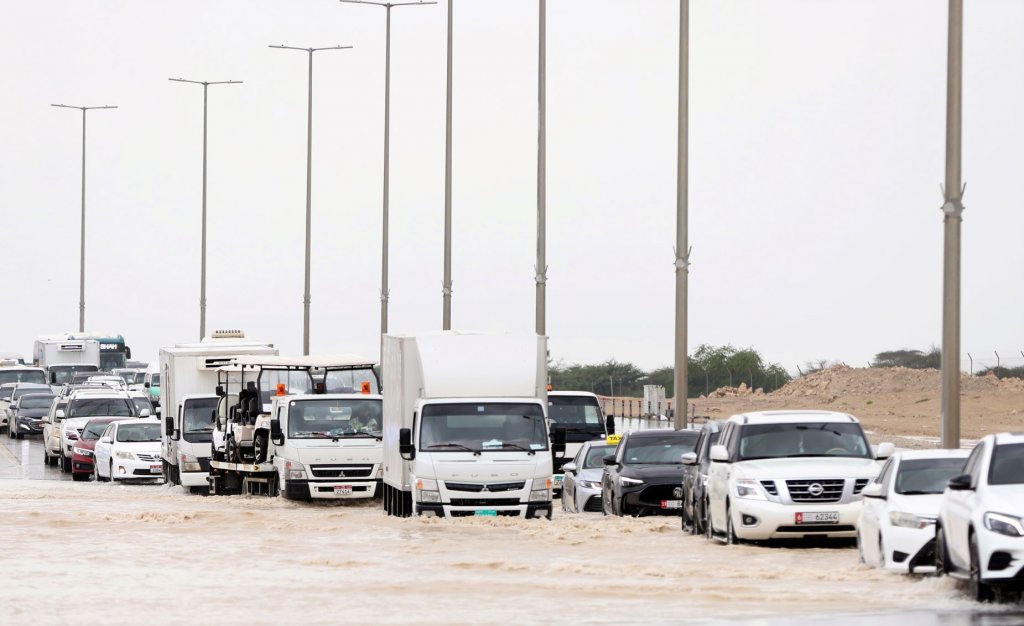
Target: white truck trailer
<point>188,381</point>
<point>465,429</point>
<point>306,428</point>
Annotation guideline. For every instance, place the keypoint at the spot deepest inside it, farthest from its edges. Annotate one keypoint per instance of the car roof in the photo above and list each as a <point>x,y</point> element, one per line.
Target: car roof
<point>1005,438</point>
<point>30,385</point>
<point>789,417</point>
<point>572,394</point>
<point>908,455</point>
<point>593,443</point>
<point>98,393</point>
<point>661,432</point>
<point>38,395</point>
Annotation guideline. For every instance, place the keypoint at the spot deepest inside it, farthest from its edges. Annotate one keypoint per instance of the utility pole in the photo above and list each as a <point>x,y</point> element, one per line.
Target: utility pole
<point>952,210</point>
<point>682,250</point>
<point>81,263</point>
<point>446,285</point>
<point>541,269</point>
<point>202,263</point>
<point>309,185</point>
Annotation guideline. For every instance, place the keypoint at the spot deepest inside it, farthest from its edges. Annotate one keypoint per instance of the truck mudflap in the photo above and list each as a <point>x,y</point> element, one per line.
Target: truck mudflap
<point>533,510</point>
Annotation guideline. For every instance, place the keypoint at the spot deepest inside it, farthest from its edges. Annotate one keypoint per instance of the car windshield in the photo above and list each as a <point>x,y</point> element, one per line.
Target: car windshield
<point>483,427</point>
<point>94,430</point>
<point>141,404</point>
<point>334,418</point>
<point>1007,465</point>
<point>138,432</point>
<point>197,415</point>
<point>664,450</point>
<point>36,402</point>
<point>926,476</point>
<point>21,376</point>
<point>351,381</point>
<point>771,441</point>
<point>595,456</point>
<point>580,412</point>
<point>96,407</point>
<point>127,377</point>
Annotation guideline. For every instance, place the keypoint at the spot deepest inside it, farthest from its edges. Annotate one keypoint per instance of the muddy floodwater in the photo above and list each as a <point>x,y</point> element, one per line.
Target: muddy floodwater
<point>152,554</point>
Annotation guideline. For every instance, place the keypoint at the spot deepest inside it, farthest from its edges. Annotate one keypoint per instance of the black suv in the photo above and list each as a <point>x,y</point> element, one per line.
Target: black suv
<point>645,474</point>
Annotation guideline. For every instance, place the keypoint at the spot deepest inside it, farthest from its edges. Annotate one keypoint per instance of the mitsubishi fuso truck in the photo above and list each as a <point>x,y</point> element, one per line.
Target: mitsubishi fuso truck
<point>188,380</point>
<point>465,429</point>
<point>306,428</point>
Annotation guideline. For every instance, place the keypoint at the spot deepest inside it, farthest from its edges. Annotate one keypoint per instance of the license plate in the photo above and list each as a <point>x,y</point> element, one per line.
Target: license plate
<point>486,513</point>
<point>343,490</point>
<point>826,517</point>
<point>155,469</point>
<point>671,504</point>
<point>558,479</point>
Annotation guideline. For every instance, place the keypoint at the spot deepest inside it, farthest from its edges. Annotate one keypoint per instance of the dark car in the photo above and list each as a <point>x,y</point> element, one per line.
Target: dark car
<point>695,476</point>
<point>26,414</point>
<point>83,455</point>
<point>645,474</point>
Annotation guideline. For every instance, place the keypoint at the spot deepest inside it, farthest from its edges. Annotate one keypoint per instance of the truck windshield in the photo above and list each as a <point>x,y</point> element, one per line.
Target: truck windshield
<point>579,415</point>
<point>100,407</point>
<point>351,381</point>
<point>334,418</point>
<point>64,373</point>
<point>771,441</point>
<point>197,418</point>
<point>109,360</point>
<point>483,427</point>
<point>21,376</point>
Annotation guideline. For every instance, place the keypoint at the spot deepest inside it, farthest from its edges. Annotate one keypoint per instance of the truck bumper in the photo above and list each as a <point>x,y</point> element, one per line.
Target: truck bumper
<point>529,511</point>
<point>194,479</point>
<point>333,490</point>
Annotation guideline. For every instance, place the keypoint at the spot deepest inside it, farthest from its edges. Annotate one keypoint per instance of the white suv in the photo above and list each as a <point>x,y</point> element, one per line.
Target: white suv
<point>82,406</point>
<point>789,474</point>
<point>979,535</point>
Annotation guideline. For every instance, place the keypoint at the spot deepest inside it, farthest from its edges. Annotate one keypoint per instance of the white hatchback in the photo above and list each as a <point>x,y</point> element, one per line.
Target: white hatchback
<point>897,516</point>
<point>979,536</point>
<point>129,449</point>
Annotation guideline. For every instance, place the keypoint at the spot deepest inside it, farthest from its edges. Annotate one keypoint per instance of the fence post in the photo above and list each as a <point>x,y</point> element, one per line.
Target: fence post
<point>971,359</point>
<point>998,362</point>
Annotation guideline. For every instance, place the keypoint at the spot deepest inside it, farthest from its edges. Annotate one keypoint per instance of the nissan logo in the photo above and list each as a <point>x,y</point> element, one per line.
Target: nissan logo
<point>816,490</point>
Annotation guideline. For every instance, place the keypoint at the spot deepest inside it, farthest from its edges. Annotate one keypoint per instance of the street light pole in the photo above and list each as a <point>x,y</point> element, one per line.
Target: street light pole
<point>541,268</point>
<point>385,292</point>
<point>81,277</point>
<point>446,285</point>
<point>952,210</point>
<point>309,185</point>
<point>202,278</point>
<point>682,250</point>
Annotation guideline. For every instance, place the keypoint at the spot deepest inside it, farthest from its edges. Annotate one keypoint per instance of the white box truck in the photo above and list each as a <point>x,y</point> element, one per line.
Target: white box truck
<point>465,429</point>
<point>189,380</point>
<point>63,357</point>
<point>306,428</point>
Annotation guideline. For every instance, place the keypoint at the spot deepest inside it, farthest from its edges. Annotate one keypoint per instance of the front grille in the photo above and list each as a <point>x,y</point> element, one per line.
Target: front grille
<point>859,484</point>
<point>148,458</point>
<point>593,504</point>
<point>800,490</point>
<point>485,502</point>
<point>654,494</point>
<point>816,528</point>
<point>479,487</point>
<point>770,487</point>
<point>471,513</point>
<point>341,471</point>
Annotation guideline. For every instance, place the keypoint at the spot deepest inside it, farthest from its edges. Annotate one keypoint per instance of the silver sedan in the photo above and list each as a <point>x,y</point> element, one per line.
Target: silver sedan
<point>581,488</point>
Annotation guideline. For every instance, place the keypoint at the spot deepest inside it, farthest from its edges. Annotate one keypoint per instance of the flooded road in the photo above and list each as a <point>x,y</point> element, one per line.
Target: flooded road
<point>155,554</point>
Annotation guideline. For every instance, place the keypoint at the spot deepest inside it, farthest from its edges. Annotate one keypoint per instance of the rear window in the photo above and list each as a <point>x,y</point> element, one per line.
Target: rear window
<point>1007,465</point>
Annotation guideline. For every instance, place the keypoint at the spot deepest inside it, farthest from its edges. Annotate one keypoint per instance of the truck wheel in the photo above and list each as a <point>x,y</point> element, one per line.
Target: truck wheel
<point>273,486</point>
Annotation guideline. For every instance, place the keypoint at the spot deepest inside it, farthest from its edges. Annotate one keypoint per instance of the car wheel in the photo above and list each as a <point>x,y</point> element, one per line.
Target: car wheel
<point>881,552</point>
<point>96,473</point>
<point>941,553</point>
<point>604,503</point>
<point>730,532</point>
<point>978,589</point>
<point>709,532</point>
<point>65,463</point>
<point>110,476</point>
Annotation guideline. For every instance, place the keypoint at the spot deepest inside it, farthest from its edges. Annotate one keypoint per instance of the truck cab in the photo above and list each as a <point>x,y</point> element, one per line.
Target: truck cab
<point>579,414</point>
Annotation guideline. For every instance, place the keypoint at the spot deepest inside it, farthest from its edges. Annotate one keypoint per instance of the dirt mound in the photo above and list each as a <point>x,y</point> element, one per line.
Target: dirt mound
<point>843,380</point>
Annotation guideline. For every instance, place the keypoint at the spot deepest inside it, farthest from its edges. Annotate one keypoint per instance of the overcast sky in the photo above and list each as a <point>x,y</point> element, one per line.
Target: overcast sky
<point>816,155</point>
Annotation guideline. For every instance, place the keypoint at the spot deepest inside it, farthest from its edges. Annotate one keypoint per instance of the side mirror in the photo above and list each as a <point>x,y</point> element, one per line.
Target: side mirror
<point>690,458</point>
<point>107,439</point>
<point>719,454</point>
<point>60,414</point>
<point>609,460</point>
<point>275,432</point>
<point>53,378</point>
<point>960,483</point>
<point>874,490</point>
<point>884,451</point>
<point>144,413</point>
<point>405,447</point>
<point>146,385</point>
<point>169,427</point>
<point>220,391</point>
<point>609,424</point>
<point>569,467</point>
<point>558,442</point>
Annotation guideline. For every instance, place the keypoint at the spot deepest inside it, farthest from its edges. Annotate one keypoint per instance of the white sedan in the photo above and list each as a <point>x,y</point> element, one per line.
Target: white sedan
<point>896,529</point>
<point>979,536</point>
<point>129,449</point>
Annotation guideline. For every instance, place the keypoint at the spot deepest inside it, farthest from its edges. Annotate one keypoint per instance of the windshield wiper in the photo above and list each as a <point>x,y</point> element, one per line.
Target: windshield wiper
<point>452,445</point>
<point>517,447</point>
<point>918,493</point>
<point>377,437</point>
<point>200,430</point>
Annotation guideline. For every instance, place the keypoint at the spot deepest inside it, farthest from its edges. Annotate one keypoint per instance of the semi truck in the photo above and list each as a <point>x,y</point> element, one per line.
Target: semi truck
<point>579,414</point>
<point>188,380</point>
<point>306,428</point>
<point>465,430</point>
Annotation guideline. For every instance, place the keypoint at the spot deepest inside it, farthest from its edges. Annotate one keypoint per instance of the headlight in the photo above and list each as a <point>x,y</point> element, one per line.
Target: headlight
<point>124,454</point>
<point>294,470</point>
<point>82,451</point>
<point>749,489</point>
<point>190,463</point>
<point>909,520</point>
<point>590,484</point>
<point>629,482</point>
<point>541,491</point>
<point>426,490</point>
<point>1004,524</point>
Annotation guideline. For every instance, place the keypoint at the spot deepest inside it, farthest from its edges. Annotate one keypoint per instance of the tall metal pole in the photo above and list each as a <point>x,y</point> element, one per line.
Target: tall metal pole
<point>682,251</point>
<point>385,292</point>
<point>952,209</point>
<point>309,187</point>
<point>202,270</point>
<point>81,262</point>
<point>541,268</point>
<point>446,285</point>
